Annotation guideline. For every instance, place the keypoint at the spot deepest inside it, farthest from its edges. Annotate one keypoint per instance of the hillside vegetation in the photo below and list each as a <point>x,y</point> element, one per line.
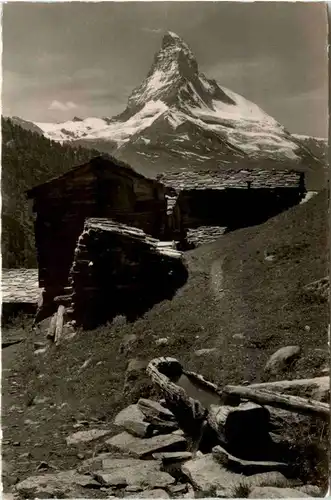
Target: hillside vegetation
<point>28,159</point>
<point>244,297</point>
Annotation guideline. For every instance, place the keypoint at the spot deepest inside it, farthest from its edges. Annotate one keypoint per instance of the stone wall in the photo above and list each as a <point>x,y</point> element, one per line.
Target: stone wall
<point>119,269</point>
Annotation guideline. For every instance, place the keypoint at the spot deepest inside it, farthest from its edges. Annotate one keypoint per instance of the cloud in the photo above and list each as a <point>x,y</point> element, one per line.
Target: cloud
<point>152,30</point>
<point>62,106</point>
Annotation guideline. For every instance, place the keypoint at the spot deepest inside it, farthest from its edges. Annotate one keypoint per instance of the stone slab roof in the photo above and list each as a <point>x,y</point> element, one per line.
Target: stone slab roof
<point>187,179</point>
<point>20,286</point>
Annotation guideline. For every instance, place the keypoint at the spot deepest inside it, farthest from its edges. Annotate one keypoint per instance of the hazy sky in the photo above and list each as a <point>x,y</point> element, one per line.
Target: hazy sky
<point>84,59</point>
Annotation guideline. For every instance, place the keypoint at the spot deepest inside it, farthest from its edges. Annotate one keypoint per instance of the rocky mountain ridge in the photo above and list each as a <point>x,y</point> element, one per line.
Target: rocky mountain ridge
<point>177,116</point>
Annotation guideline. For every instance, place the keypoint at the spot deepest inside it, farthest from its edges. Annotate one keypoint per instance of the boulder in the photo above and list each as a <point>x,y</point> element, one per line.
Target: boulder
<point>94,463</point>
<point>66,484</point>
<point>132,420</point>
<point>86,436</point>
<point>273,492</point>
<point>152,409</point>
<point>311,490</point>
<point>247,467</point>
<point>139,474</point>
<point>144,447</point>
<point>207,475</point>
<point>282,358</point>
<point>137,384</point>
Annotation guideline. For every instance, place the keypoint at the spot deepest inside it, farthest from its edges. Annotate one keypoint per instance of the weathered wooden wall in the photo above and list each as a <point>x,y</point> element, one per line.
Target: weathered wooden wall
<point>233,208</point>
<point>97,189</point>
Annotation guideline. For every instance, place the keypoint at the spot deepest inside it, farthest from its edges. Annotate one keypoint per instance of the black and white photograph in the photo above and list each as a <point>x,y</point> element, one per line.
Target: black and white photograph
<point>165,250</point>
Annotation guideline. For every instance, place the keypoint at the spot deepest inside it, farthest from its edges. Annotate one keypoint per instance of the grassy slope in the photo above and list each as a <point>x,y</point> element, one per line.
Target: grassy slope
<point>261,300</point>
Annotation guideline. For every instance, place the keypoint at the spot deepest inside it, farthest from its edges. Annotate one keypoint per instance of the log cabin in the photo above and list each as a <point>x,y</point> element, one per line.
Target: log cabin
<point>231,198</point>
<point>103,187</point>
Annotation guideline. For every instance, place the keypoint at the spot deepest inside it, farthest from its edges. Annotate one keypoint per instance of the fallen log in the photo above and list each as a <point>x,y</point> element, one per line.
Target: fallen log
<point>316,388</point>
<point>188,412</point>
<point>285,401</point>
<point>59,324</point>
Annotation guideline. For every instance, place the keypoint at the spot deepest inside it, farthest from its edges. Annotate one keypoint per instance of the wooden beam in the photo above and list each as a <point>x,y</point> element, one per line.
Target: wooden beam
<point>285,401</point>
<point>59,324</point>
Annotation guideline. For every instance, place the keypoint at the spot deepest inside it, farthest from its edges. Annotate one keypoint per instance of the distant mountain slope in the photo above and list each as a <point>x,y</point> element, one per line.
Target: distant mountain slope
<point>27,159</point>
<point>179,117</point>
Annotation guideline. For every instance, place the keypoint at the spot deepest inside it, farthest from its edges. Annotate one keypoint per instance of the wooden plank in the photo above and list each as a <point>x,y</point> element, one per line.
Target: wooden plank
<point>59,324</point>
<point>285,401</point>
<point>52,326</point>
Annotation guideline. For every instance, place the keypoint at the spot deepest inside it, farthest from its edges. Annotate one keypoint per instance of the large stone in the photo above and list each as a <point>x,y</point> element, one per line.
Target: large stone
<point>94,463</point>
<point>282,358</point>
<point>86,436</point>
<point>138,473</point>
<point>144,447</point>
<point>157,493</point>
<point>206,352</point>
<point>174,456</point>
<point>247,467</point>
<point>273,492</point>
<point>153,409</point>
<point>132,420</point>
<point>64,484</point>
<point>207,475</point>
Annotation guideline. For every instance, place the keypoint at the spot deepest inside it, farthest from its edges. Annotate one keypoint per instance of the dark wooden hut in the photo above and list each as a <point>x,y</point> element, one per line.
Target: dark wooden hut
<point>232,198</point>
<point>103,187</point>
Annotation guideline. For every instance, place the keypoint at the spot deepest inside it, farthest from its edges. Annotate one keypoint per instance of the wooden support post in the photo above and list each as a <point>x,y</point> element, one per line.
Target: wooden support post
<point>59,324</point>
<point>52,326</point>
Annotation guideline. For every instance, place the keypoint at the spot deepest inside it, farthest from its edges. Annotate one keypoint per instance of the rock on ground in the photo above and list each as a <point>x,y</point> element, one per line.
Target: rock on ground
<point>68,484</point>
<point>153,409</point>
<point>157,493</point>
<point>132,420</point>
<point>144,447</point>
<point>273,492</point>
<point>246,467</point>
<point>282,358</point>
<point>86,436</point>
<point>207,475</point>
<point>133,472</point>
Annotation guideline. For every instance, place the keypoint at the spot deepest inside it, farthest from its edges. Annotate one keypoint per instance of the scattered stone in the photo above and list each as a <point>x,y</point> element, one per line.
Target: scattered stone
<point>175,456</point>
<point>137,473</point>
<point>157,493</point>
<point>205,352</point>
<point>39,345</point>
<point>177,489</point>
<point>273,492</point>
<point>16,443</point>
<point>282,358</point>
<point>38,401</point>
<point>86,436</point>
<point>152,409</point>
<point>238,336</point>
<point>94,463</point>
<point>144,447</point>
<point>207,475</point>
<point>25,455</point>
<point>64,484</point>
<point>162,341</point>
<point>178,432</point>
<point>40,351</point>
<point>246,467</point>
<point>311,490</point>
<point>81,456</point>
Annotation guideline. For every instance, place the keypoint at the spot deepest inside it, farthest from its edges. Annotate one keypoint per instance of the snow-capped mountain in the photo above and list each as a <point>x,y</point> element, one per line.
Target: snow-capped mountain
<point>177,116</point>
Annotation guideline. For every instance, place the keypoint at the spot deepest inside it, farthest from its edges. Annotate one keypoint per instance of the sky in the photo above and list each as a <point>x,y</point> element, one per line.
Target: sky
<point>83,59</point>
